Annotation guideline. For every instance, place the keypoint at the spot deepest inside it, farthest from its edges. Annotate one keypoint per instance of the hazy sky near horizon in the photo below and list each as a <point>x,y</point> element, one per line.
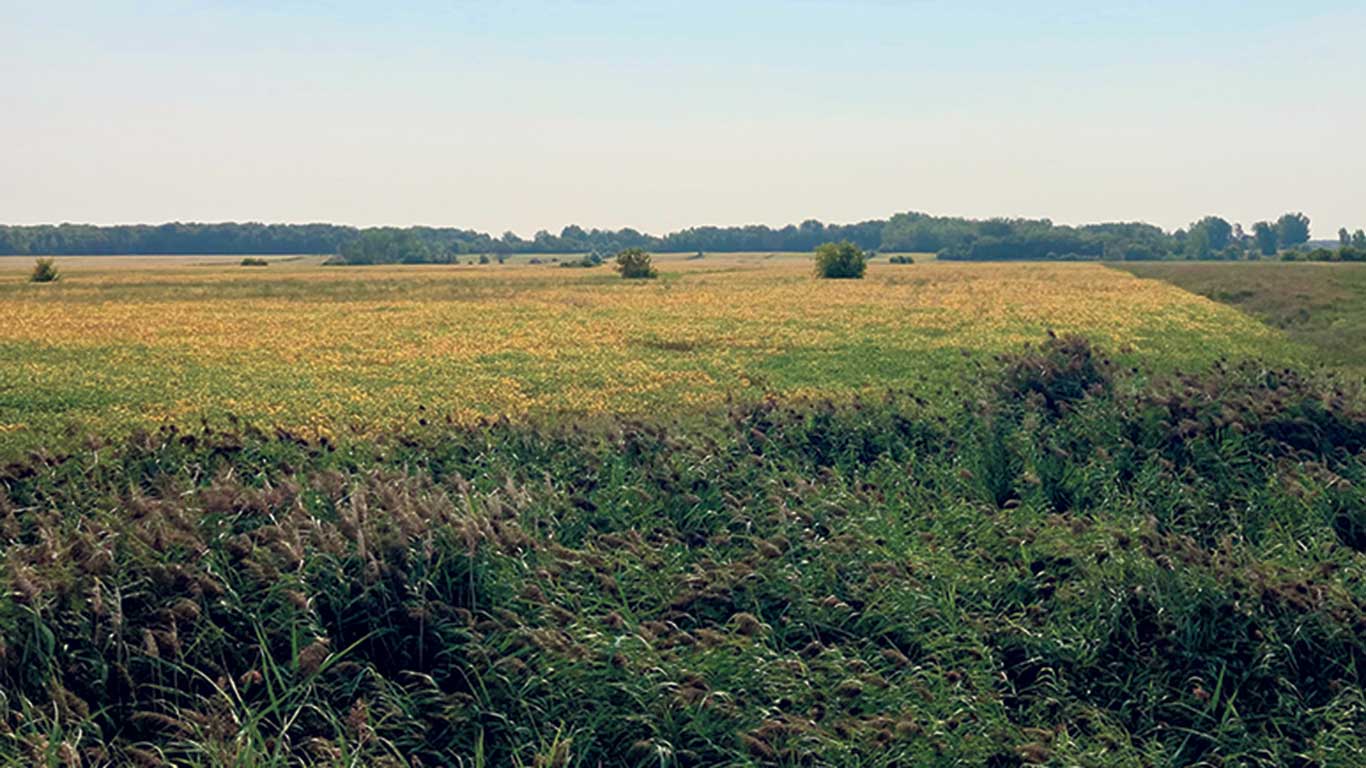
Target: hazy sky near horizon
<point>529,115</point>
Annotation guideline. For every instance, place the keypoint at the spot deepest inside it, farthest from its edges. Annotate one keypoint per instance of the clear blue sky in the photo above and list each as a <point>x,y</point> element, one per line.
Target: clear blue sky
<point>528,115</point>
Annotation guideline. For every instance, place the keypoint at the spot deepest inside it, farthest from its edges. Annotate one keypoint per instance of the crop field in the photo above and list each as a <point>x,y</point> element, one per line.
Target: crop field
<point>119,344</point>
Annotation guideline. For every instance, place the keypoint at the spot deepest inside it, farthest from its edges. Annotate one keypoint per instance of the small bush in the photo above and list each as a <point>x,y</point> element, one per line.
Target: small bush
<point>44,271</point>
<point>636,264</point>
<point>901,259</point>
<point>254,262</point>
<point>588,261</point>
<point>840,261</point>
<point>483,258</point>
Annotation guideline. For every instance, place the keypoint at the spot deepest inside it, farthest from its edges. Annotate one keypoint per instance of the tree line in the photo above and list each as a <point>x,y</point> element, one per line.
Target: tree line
<point>413,243</point>
<point>174,238</point>
<point>953,238</point>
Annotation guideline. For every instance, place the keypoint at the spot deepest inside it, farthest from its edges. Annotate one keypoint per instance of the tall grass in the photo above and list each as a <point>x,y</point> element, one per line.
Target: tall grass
<point>1080,570</point>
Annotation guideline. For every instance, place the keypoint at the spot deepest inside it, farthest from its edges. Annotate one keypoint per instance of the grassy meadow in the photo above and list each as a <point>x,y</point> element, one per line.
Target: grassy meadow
<point>125,343</point>
<point>735,516</point>
<point>1318,304</point>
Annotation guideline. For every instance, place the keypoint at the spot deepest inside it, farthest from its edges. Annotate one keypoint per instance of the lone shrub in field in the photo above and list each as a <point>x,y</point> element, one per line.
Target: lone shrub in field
<point>901,259</point>
<point>635,264</point>
<point>840,261</point>
<point>254,262</point>
<point>44,271</point>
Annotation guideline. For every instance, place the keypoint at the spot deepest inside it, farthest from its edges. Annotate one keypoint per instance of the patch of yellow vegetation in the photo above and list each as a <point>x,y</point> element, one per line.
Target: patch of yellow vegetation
<point>319,349</point>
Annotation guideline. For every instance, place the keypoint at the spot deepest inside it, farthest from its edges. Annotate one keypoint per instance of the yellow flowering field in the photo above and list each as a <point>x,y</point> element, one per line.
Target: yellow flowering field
<point>326,350</point>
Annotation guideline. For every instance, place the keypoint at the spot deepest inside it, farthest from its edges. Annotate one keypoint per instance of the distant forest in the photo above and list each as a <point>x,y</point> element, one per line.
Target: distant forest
<point>951,237</point>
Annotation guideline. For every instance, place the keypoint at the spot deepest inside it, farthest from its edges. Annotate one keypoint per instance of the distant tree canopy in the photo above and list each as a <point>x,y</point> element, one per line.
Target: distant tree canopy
<point>952,238</point>
<point>1292,229</point>
<point>1208,236</point>
<point>89,240</point>
<point>1266,237</point>
<point>1025,239</point>
<point>389,246</point>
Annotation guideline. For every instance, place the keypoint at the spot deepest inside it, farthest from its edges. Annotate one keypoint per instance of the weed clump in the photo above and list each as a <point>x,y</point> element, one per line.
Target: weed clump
<point>44,271</point>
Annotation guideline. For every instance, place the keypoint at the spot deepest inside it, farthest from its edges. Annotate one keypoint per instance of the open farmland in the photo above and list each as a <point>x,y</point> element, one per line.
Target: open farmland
<point>120,343</point>
<point>736,515</point>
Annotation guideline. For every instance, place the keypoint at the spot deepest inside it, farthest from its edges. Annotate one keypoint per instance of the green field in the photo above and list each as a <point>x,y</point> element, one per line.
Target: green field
<point>488,515</point>
<point>1320,305</point>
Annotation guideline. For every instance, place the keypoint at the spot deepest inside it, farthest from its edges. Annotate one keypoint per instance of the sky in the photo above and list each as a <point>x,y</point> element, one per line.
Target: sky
<point>520,115</point>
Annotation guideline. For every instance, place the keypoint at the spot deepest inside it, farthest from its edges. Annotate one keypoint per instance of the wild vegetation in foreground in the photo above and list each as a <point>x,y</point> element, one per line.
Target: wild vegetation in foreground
<point>348,353</point>
<point>1078,566</point>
